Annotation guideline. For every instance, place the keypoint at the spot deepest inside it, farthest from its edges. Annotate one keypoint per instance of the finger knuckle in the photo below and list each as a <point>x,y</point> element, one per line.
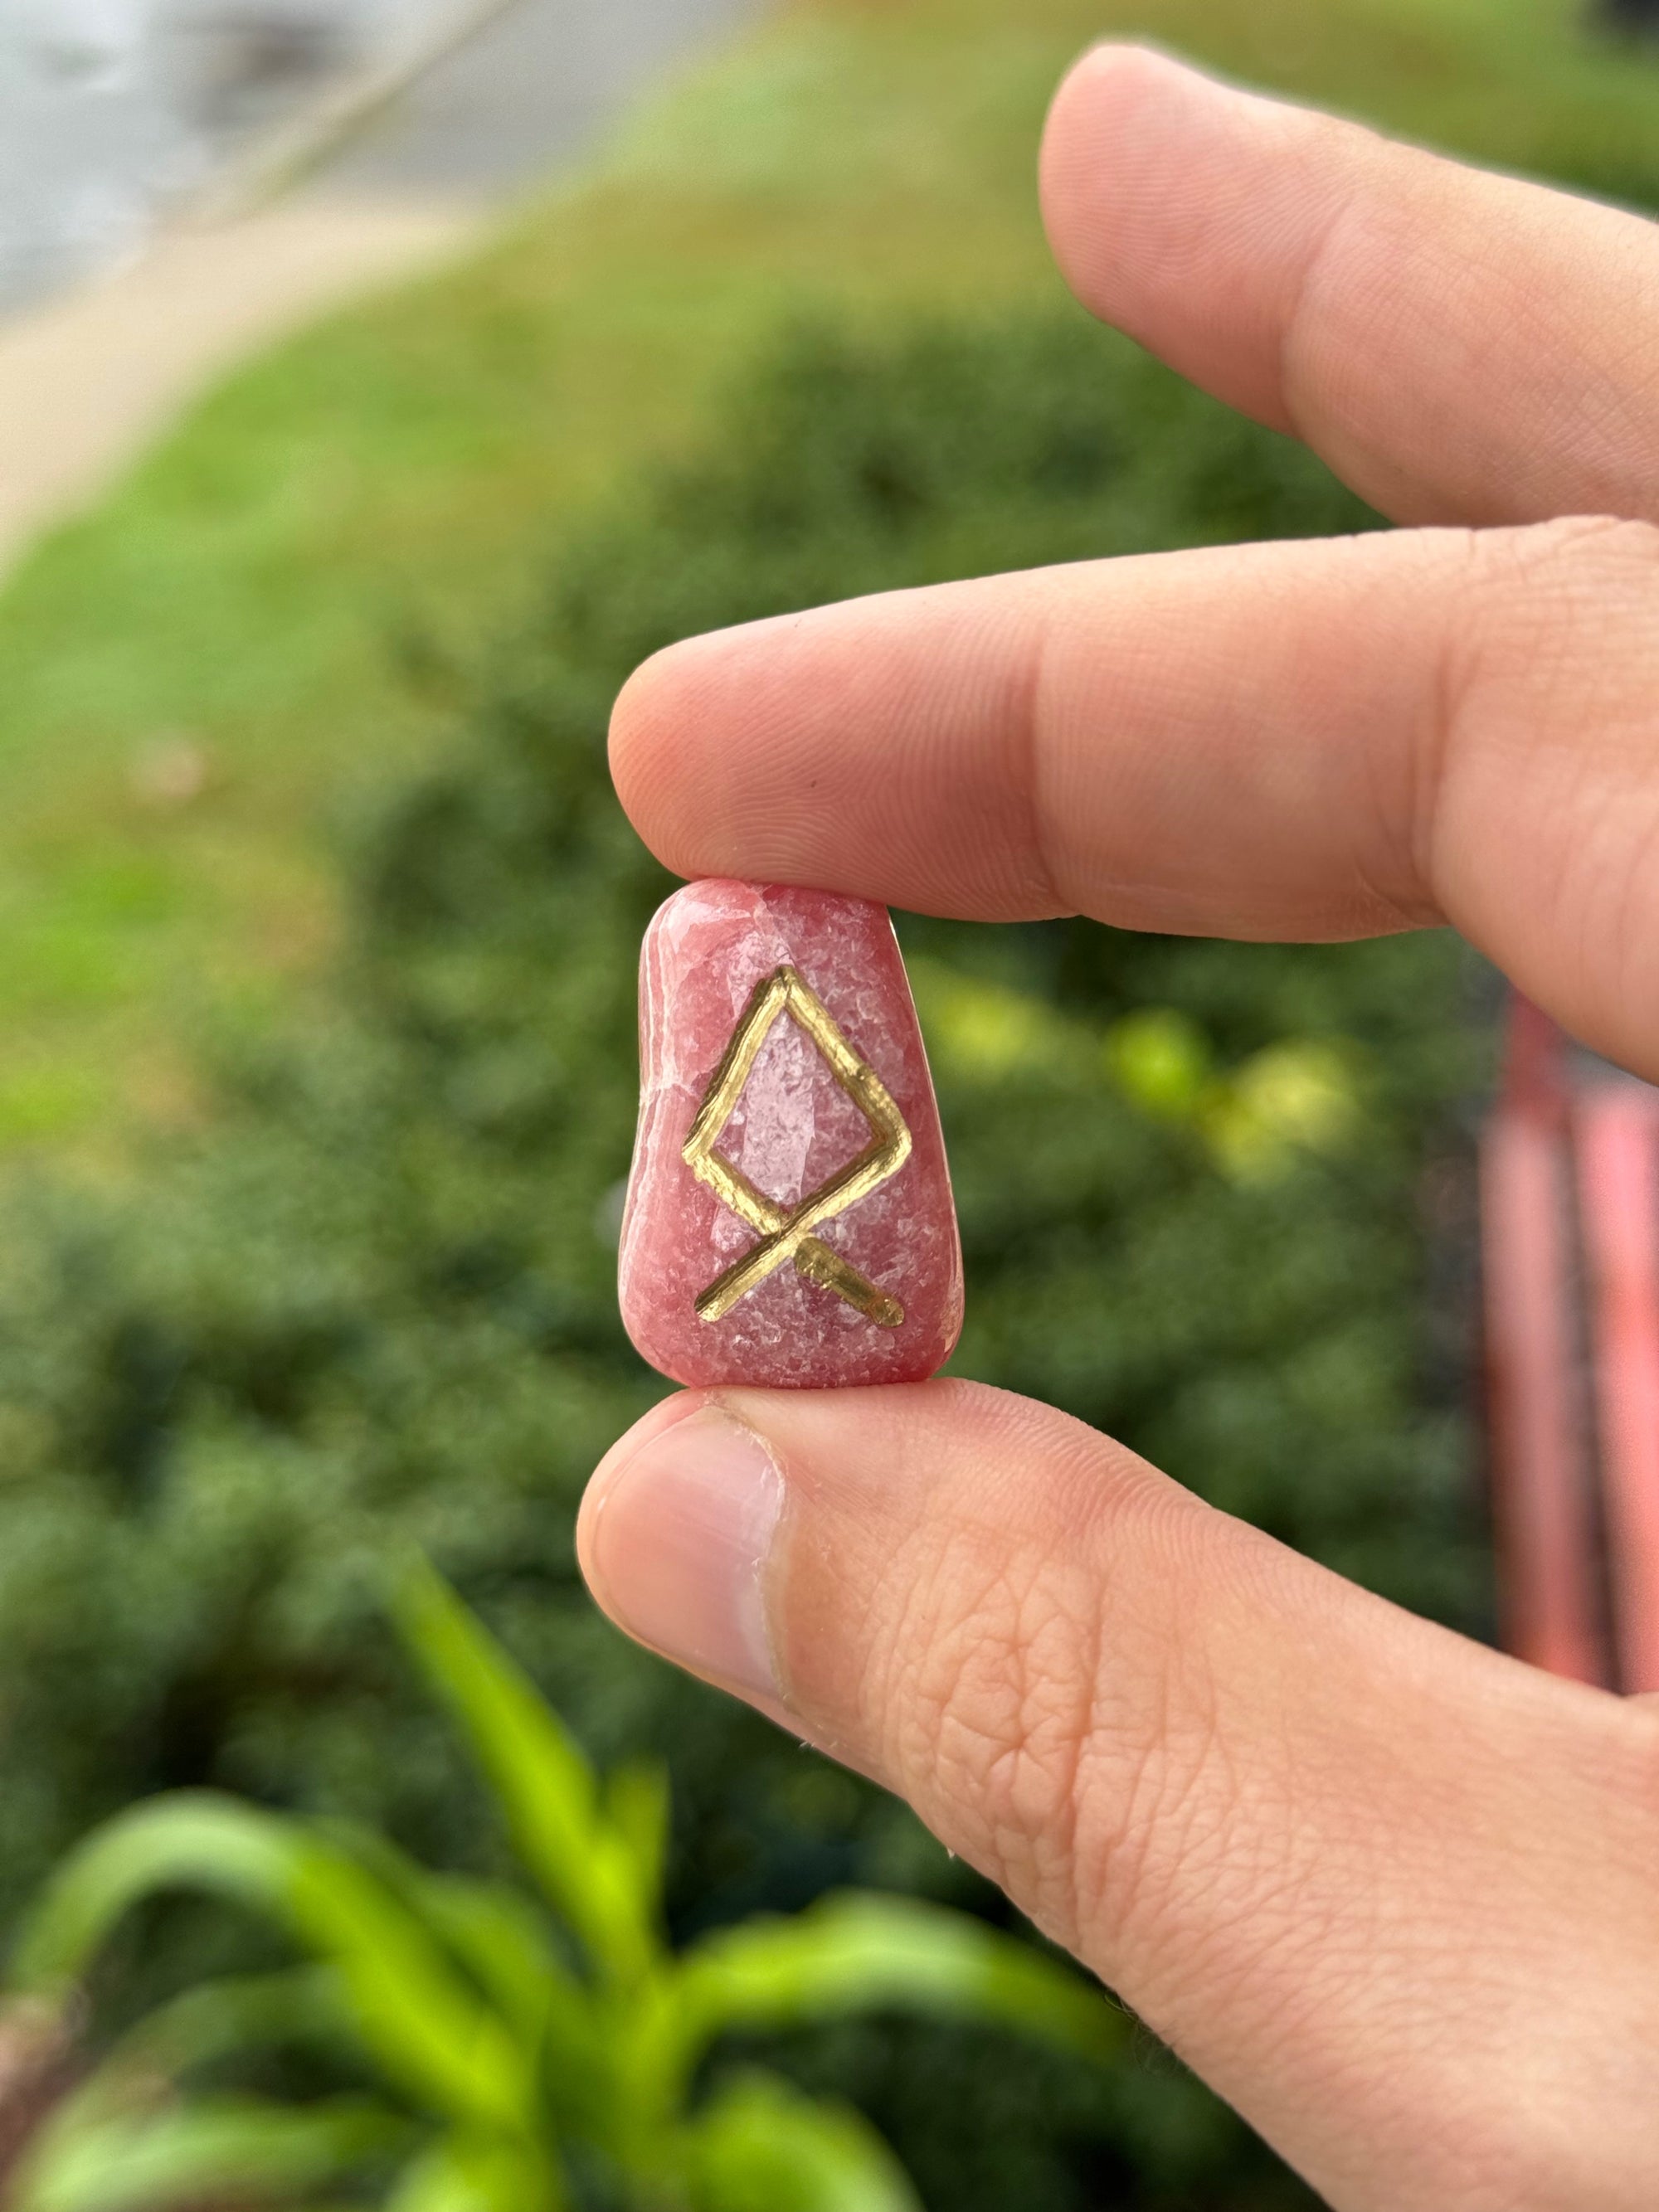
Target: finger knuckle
<point>1069,1742</point>
<point>1551,678</point>
<point>998,1700</point>
<point>1550,583</point>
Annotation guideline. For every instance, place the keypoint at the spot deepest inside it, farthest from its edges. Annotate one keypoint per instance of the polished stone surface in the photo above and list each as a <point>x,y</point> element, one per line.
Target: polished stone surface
<point>789,1218</point>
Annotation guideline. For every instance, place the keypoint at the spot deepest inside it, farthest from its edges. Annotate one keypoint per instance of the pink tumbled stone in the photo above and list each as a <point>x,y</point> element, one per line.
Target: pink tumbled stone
<point>813,1220</point>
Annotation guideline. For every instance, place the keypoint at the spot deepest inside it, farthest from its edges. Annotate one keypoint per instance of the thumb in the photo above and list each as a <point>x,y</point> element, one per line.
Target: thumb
<point>1391,1893</point>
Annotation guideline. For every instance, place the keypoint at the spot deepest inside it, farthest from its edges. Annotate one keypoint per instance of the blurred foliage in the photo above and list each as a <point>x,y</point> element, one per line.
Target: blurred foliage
<point>1213,1199</point>
<point>516,2061</point>
<point>392,476</point>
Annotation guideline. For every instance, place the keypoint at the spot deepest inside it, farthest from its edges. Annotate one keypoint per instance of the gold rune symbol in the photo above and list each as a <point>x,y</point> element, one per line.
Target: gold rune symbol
<point>786,1232</point>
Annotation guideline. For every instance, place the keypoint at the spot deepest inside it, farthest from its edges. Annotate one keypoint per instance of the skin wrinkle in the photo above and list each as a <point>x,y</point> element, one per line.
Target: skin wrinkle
<point>1282,1985</point>
<point>1530,672</point>
<point>1051,1664</point>
<point>1133,1883</point>
<point>1282,1980</point>
<point>1632,369</point>
<point>1363,322</point>
<point>1606,396</point>
<point>1217,1828</point>
<point>1163,658</point>
<point>1368,907</point>
<point>1500,576</point>
<point>1305,304</point>
<point>1624,899</point>
<point>914,1659</point>
<point>1087,1869</point>
<point>981,1760</point>
<point>1612,394</point>
<point>1150,1867</point>
<point>959,1670</point>
<point>1030,720</point>
<point>971,1682</point>
<point>1426,750</point>
<point>1032,1770</point>
<point>1250,1912</point>
<point>1454,235</point>
<point>1071,742</point>
<point>996,692</point>
<point>1617,957</point>
<point>1015,702</point>
<point>1168,681</point>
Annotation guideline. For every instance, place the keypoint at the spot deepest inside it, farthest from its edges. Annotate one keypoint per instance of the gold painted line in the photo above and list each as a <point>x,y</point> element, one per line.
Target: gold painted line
<point>785,1235</point>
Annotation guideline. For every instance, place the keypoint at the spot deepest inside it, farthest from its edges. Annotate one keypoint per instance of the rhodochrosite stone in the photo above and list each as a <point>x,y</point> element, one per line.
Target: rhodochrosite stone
<point>789,1216</point>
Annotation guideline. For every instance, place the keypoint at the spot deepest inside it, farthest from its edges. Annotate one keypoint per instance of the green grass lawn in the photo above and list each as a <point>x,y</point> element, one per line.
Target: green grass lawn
<point>284,581</point>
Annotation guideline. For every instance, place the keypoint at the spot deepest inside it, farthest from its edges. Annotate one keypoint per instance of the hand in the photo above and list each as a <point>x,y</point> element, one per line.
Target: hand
<point>1394,1895</point>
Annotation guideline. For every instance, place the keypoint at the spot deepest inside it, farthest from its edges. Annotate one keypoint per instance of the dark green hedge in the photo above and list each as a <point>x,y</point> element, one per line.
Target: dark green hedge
<point>376,1303</point>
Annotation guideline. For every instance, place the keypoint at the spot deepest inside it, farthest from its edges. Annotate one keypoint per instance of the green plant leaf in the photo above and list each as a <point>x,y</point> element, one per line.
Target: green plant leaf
<point>588,1869</point>
<point>194,1840</point>
<point>638,1806</point>
<point>497,1934</point>
<point>761,2146</point>
<point>470,2174</point>
<point>231,2017</point>
<point>426,2027</point>
<point>857,1952</point>
<point>87,2160</point>
<point>502,1939</point>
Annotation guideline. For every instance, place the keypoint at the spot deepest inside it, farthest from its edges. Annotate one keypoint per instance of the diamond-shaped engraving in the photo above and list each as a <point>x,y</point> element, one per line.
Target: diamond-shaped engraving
<point>786,1232</point>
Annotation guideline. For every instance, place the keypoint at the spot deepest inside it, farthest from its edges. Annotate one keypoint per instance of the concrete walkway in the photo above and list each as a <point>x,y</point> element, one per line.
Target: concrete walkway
<point>91,379</point>
<point>88,382</point>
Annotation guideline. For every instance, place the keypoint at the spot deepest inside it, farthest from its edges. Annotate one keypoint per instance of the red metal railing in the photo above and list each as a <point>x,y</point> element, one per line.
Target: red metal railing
<point>1570,1214</point>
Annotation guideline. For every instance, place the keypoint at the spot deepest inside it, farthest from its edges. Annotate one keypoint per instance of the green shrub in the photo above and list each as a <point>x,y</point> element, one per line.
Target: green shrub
<point>375,1304</point>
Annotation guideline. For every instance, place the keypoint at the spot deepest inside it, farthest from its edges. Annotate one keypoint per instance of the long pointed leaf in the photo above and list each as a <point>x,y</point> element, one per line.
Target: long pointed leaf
<point>224,2146</point>
<point>499,1936</point>
<point>636,1802</point>
<point>496,1934</point>
<point>548,1790</point>
<point>424,2025</point>
<point>196,1840</point>
<point>501,1940</point>
<point>233,2016</point>
<point>859,1953</point>
<point>762,2147</point>
<point>462,2174</point>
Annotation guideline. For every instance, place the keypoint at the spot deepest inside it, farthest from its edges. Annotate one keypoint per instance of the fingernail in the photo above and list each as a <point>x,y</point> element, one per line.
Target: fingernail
<point>679,1533</point>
